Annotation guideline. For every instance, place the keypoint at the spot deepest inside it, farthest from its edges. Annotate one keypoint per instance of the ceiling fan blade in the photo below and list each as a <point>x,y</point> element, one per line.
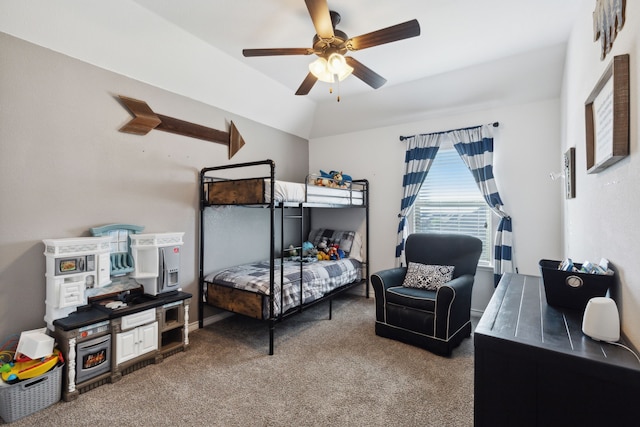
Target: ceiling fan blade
<point>365,73</point>
<point>386,35</point>
<point>319,11</point>
<point>307,84</point>
<point>276,51</point>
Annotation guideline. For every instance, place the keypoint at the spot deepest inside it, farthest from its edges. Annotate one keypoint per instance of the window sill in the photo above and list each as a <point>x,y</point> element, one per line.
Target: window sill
<point>486,267</point>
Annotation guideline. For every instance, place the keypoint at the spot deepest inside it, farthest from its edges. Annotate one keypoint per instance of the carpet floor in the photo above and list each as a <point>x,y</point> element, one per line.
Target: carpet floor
<point>324,373</point>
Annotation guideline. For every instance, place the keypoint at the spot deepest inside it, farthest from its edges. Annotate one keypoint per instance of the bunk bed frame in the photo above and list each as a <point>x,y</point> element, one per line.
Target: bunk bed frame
<point>251,192</point>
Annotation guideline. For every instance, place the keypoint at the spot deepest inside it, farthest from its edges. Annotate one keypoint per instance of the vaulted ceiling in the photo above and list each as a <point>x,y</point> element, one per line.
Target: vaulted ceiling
<point>469,52</point>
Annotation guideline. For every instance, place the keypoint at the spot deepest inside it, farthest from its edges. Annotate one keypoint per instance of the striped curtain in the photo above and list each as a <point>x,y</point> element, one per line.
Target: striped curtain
<point>421,150</point>
<point>475,146</point>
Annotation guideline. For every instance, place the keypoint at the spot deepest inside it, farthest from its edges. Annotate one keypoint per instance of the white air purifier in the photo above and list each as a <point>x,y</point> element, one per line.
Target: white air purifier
<point>601,320</point>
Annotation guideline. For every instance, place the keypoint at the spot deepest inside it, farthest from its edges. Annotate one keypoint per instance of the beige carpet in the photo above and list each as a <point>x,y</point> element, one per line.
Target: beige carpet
<point>324,373</point>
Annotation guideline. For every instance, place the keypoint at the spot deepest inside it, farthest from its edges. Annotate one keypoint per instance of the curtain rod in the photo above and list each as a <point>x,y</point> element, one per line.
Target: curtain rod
<point>494,124</point>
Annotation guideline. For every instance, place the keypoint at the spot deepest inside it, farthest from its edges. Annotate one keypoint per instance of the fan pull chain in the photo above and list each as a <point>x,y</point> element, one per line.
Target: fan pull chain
<point>331,89</point>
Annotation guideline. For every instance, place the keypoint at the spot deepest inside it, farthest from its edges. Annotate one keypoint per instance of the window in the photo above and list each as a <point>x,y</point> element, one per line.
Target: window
<point>450,202</point>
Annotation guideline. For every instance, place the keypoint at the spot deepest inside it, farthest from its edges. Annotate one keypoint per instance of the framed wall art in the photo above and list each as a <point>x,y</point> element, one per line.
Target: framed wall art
<point>607,117</point>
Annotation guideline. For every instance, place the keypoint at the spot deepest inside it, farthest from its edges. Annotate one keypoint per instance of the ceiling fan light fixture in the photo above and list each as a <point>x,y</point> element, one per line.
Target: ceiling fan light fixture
<point>346,72</point>
<point>336,63</point>
<point>320,69</point>
<point>328,70</point>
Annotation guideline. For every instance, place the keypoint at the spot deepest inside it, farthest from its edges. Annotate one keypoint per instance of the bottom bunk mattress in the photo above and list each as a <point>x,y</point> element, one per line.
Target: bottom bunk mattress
<point>245,288</point>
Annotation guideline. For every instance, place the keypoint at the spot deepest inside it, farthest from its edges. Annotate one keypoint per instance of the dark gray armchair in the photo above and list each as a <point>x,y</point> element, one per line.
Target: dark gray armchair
<point>437,320</point>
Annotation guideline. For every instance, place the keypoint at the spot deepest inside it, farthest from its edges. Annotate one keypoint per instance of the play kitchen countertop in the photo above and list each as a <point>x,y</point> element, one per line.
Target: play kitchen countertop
<point>99,310</point>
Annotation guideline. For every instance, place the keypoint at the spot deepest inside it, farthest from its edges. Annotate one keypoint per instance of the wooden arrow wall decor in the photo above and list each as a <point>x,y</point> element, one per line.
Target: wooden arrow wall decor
<point>144,120</point>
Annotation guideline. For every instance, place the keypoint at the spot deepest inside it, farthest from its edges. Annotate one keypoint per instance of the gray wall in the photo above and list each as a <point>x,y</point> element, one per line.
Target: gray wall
<point>65,168</point>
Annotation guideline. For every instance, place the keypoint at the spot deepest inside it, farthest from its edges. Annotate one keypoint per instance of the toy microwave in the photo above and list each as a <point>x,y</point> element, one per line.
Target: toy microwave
<point>75,264</point>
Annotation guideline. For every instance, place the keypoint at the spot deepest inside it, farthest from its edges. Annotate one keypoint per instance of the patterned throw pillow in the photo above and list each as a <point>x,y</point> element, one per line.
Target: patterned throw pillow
<point>429,277</point>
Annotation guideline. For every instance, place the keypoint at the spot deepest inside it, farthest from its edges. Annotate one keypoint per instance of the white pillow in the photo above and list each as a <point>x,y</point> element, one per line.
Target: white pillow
<point>430,277</point>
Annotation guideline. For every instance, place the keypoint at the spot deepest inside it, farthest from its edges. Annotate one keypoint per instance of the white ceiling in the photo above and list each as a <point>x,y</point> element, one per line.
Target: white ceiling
<point>455,34</point>
<point>470,54</point>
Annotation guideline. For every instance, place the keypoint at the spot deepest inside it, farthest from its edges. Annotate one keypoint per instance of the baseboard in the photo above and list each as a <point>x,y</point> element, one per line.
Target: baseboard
<point>210,320</point>
<point>476,312</point>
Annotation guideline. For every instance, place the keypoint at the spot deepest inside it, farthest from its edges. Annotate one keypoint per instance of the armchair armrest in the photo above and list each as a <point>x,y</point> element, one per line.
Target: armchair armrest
<point>462,284</point>
<point>383,280</point>
<point>453,301</point>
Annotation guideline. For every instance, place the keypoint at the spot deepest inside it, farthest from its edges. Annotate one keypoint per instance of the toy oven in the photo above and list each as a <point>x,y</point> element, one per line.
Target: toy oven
<point>93,357</point>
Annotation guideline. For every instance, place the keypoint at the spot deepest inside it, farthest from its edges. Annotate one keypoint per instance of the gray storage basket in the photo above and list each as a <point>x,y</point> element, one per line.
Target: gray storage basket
<point>29,396</point>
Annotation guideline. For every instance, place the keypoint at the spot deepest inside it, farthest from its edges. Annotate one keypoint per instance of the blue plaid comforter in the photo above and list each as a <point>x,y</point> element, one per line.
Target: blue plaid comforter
<point>318,279</point>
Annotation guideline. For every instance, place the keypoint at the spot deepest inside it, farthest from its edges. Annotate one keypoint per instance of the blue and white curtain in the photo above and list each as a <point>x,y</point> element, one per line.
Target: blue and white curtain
<point>475,146</point>
<point>421,150</point>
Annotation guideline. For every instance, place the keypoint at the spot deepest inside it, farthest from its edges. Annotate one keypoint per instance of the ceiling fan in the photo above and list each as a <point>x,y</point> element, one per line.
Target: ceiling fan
<point>330,45</point>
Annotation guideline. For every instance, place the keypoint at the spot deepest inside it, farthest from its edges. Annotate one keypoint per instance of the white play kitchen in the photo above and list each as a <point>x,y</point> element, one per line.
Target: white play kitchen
<point>113,304</point>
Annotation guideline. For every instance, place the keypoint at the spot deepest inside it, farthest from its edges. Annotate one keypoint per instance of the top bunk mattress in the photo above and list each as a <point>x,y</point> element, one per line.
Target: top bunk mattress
<point>285,191</point>
<point>258,190</point>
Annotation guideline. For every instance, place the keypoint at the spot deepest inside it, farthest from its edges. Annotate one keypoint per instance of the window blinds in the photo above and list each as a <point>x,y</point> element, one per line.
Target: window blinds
<point>450,202</point>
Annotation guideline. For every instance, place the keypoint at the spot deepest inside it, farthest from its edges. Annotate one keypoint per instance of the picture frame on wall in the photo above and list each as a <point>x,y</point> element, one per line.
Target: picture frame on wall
<point>607,117</point>
<point>570,173</point>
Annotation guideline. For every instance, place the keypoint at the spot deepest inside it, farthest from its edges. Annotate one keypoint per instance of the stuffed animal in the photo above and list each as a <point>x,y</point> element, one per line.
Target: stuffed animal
<point>333,252</point>
<point>322,256</point>
<point>326,182</point>
<point>333,179</point>
<point>337,178</point>
<point>326,251</point>
<point>308,249</point>
<point>292,251</point>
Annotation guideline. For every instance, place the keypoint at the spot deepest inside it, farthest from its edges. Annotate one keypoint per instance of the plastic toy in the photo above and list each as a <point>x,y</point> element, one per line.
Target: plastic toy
<point>26,368</point>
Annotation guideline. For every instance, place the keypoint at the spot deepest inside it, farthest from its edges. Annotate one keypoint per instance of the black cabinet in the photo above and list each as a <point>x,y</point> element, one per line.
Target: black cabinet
<point>535,367</point>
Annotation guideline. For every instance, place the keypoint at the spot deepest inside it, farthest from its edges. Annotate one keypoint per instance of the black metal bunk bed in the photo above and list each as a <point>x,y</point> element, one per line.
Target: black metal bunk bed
<point>259,191</point>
